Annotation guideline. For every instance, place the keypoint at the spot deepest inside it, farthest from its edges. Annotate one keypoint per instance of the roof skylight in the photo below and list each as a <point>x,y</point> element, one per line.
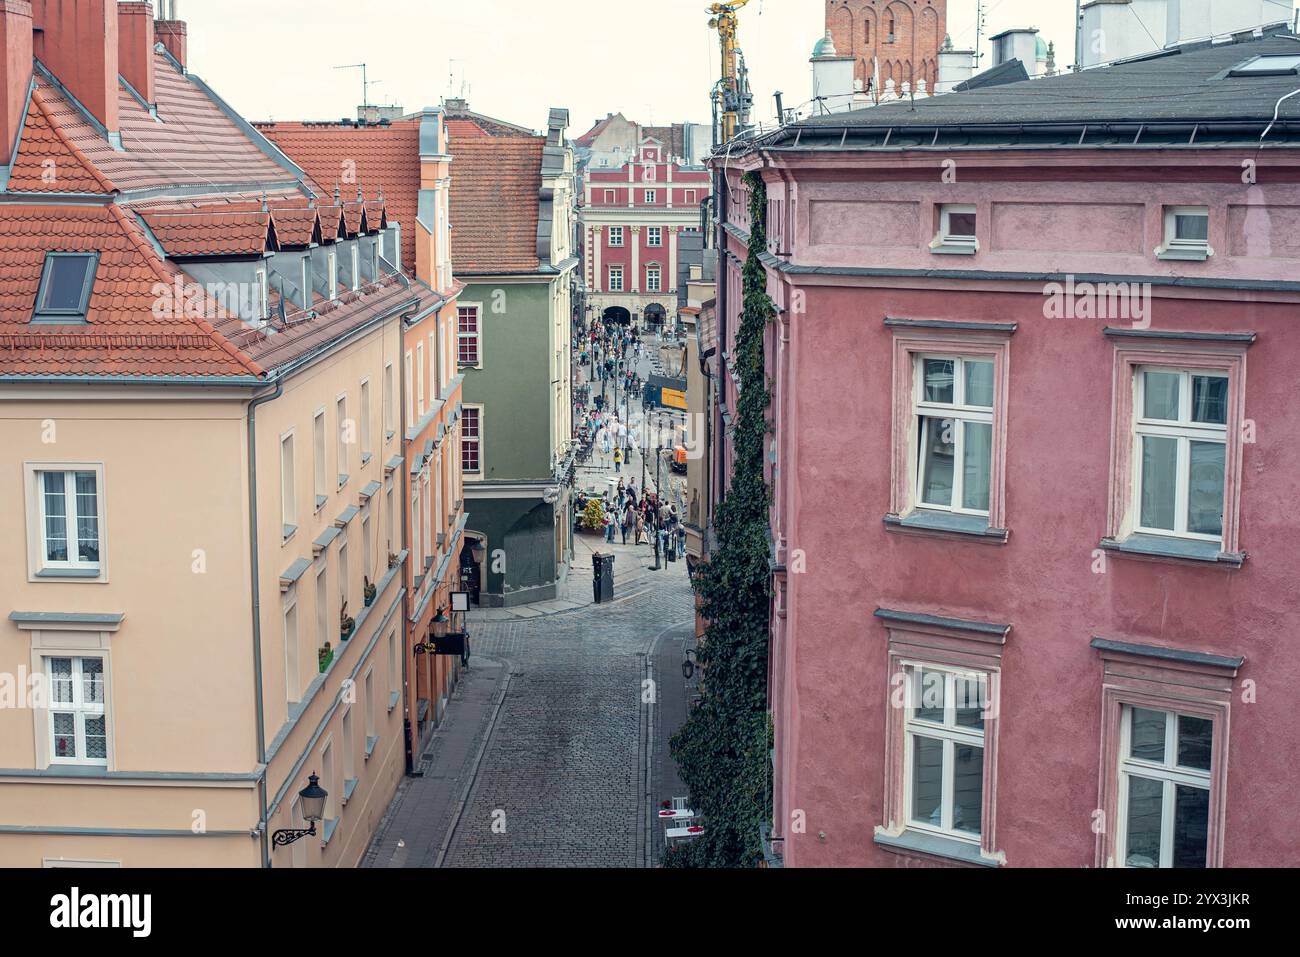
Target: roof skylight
<point>66,282</point>
<point>1272,65</point>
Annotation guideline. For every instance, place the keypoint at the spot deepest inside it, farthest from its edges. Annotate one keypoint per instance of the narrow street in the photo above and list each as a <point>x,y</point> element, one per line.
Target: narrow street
<point>554,749</point>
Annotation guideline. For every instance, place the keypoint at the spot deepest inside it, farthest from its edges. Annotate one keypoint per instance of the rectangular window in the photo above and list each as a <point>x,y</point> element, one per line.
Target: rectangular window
<point>410,386</point>
<point>367,565</point>
<point>471,439</point>
<point>610,196</point>
<point>468,336</point>
<point>66,283</point>
<point>953,408</point>
<point>346,428</point>
<point>435,367</point>
<point>651,196</point>
<point>288,498</point>
<point>349,748</point>
<point>957,225</point>
<point>429,524</point>
<point>392,519</point>
<point>69,511</point>
<point>615,278</point>
<point>323,631</point>
<point>318,444</point>
<point>390,400</point>
<point>416,525</point>
<point>1164,788</point>
<point>1180,428</point>
<point>369,703</point>
<point>419,379</point>
<point>438,515</point>
<point>654,236</point>
<point>345,573</point>
<point>365,421</point>
<point>1187,230</point>
<point>944,750</point>
<point>616,236</point>
<point>292,689</point>
<point>394,665</point>
<point>78,727</point>
<point>690,197</point>
<point>328,783</point>
<point>652,280</point>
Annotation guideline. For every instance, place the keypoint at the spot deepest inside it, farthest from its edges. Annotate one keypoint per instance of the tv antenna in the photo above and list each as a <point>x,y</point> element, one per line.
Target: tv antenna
<point>365,83</point>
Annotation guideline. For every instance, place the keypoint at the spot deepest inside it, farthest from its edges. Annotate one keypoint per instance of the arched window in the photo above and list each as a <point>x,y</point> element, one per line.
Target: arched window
<point>891,29</point>
<point>866,31</point>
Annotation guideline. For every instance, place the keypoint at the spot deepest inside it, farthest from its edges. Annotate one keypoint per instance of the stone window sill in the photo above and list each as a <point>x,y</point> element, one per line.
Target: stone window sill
<point>935,845</point>
<point>1184,253</point>
<point>327,831</point>
<point>925,522</point>
<point>289,531</point>
<point>942,246</point>
<point>392,700</point>
<point>349,788</point>
<point>1175,549</point>
<point>371,741</point>
<point>57,573</point>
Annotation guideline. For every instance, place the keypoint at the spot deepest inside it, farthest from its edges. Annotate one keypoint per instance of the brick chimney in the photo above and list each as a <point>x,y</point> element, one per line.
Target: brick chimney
<point>172,35</point>
<point>77,42</point>
<point>16,75</point>
<point>135,46</point>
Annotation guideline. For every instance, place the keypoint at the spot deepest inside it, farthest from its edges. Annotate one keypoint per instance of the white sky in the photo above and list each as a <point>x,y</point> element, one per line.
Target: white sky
<point>654,61</point>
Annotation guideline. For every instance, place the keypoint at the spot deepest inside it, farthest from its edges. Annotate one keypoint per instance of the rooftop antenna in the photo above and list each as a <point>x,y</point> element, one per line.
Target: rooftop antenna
<point>365,84</point>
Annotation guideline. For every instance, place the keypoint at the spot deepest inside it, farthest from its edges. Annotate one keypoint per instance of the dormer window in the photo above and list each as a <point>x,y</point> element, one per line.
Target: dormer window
<point>64,293</point>
<point>332,273</point>
<point>1187,233</point>
<point>356,264</point>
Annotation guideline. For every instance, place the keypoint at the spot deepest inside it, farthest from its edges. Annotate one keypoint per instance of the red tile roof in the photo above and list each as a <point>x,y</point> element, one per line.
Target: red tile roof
<point>127,333</point>
<point>48,162</point>
<point>375,158</point>
<point>495,192</point>
<point>295,226</point>
<point>211,233</point>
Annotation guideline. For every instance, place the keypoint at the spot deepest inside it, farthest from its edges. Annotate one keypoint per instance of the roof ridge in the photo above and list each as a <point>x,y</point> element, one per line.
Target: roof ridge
<point>152,258</point>
<point>39,99</point>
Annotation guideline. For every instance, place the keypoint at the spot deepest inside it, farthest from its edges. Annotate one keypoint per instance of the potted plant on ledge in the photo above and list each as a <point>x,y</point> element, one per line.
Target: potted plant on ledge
<point>369,591</point>
<point>324,656</point>
<point>346,623</point>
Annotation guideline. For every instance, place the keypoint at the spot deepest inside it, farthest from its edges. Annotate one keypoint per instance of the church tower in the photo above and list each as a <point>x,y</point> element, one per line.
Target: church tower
<point>894,43</point>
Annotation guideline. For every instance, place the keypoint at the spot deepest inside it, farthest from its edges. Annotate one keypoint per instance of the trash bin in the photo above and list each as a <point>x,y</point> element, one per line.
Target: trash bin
<point>602,582</point>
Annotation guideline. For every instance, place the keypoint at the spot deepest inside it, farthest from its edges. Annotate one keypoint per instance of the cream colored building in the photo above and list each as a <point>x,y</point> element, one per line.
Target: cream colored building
<point>200,406</point>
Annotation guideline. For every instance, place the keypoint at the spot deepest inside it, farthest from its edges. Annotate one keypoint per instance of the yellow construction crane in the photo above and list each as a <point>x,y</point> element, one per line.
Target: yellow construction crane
<point>731,96</point>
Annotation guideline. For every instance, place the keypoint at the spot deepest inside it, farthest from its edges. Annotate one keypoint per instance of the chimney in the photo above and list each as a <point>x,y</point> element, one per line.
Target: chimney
<point>135,46</point>
<point>16,78</point>
<point>172,35</point>
<point>77,42</point>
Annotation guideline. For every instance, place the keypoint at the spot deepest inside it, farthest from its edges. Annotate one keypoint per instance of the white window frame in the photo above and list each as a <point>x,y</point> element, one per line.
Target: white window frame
<point>419,379</point>
<point>476,335</point>
<point>321,464</point>
<point>1168,772</point>
<point>409,390</point>
<point>416,524</point>
<point>654,236</point>
<point>306,281</point>
<point>1171,240</point>
<point>356,264</point>
<point>263,294</point>
<point>363,426</point>
<point>959,413</point>
<point>615,277</point>
<point>611,196</point>
<point>616,237</point>
<point>288,483</point>
<point>39,567</point>
<point>390,402</point>
<point>653,278</point>
<point>79,708</point>
<point>1185,431</point>
<point>651,196</point>
<point>690,197</point>
<point>332,273</point>
<point>946,236</point>
<point>341,450</point>
<point>476,441</point>
<point>292,646</point>
<point>950,734</point>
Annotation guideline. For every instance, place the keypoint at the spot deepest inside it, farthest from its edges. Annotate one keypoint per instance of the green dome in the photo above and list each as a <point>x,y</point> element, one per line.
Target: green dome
<point>825,46</point>
<point>1040,48</point>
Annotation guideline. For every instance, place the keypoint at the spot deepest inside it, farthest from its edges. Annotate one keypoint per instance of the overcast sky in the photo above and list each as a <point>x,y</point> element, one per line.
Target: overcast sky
<point>653,60</point>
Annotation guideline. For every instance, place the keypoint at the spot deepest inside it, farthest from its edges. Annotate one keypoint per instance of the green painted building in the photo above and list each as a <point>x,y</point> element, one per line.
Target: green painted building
<point>512,207</point>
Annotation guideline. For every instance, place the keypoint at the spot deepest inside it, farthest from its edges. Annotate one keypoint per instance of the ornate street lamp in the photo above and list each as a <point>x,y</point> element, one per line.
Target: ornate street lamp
<point>478,550</point>
<point>312,802</point>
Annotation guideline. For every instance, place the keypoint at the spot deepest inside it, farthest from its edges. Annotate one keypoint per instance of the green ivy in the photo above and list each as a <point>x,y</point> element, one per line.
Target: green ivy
<point>723,749</point>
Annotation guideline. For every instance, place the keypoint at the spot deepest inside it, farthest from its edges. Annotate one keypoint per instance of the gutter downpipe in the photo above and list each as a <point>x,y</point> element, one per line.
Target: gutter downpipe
<point>404,479</point>
<point>257,614</point>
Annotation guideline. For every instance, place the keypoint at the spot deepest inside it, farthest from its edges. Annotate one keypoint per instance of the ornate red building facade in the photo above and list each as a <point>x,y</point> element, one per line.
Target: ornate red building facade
<point>891,40</point>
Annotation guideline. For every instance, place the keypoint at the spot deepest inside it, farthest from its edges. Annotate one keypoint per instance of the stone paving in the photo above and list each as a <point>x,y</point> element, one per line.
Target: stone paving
<point>553,751</point>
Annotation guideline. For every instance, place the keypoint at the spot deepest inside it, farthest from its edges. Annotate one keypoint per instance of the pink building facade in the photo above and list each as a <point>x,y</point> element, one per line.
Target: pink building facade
<point>1034,578</point>
<point>629,223</point>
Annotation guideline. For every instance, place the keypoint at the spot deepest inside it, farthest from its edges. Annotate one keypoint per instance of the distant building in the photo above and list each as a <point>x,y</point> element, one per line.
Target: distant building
<point>894,44</point>
<point>1109,28</point>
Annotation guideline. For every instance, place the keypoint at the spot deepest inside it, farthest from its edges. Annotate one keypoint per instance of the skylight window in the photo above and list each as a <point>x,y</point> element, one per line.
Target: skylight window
<point>65,287</point>
<point>1276,65</point>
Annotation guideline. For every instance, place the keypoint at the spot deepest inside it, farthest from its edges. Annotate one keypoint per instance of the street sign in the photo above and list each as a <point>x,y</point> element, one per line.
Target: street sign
<point>460,601</point>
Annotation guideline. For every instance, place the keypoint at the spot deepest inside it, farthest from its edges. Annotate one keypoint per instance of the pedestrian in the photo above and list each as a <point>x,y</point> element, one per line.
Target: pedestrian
<point>609,524</point>
<point>681,541</point>
<point>618,460</point>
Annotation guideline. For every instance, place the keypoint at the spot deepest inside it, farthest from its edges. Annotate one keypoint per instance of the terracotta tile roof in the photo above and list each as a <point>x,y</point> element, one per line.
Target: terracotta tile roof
<point>672,137</point>
<point>495,187</point>
<point>295,226</point>
<point>124,334</point>
<point>211,233</point>
<point>352,217</point>
<point>375,158</point>
<point>331,218</point>
<point>48,162</point>
<point>590,137</point>
<point>195,144</point>
<point>469,123</point>
<point>466,128</point>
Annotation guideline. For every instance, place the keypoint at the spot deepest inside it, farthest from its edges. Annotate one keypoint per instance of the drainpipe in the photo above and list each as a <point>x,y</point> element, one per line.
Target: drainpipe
<point>257,612</point>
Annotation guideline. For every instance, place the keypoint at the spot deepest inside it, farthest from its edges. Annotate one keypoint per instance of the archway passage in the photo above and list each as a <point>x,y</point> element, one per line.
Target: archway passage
<point>471,570</point>
<point>655,314</point>
<point>617,314</point>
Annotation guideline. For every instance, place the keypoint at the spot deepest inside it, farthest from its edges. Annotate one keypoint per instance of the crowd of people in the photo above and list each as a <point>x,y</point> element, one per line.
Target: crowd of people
<point>641,515</point>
